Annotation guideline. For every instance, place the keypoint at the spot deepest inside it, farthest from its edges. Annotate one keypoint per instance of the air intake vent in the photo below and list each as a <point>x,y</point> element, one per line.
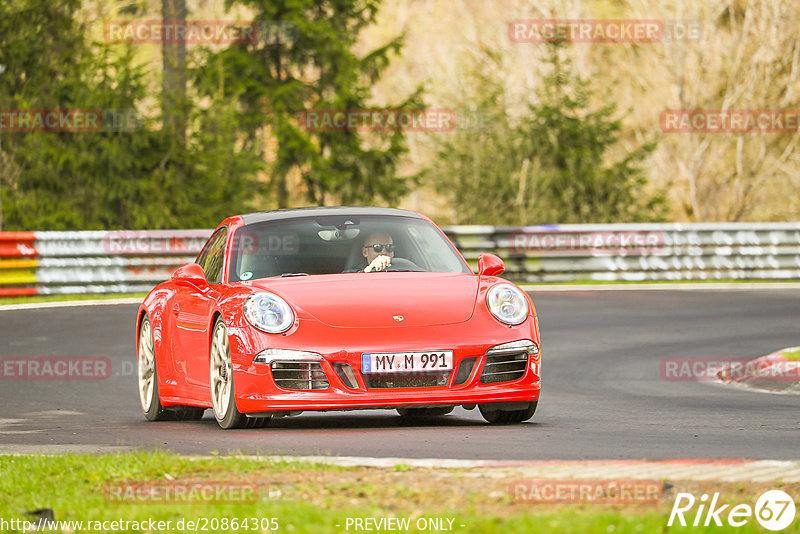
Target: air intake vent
<point>504,368</point>
<point>299,375</point>
<point>464,370</point>
<point>346,374</point>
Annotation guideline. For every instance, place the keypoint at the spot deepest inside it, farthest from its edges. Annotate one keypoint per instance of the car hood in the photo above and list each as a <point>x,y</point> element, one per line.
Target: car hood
<point>380,299</point>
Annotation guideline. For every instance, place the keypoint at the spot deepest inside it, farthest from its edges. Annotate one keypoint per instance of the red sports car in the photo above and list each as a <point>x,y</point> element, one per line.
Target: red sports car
<point>336,309</point>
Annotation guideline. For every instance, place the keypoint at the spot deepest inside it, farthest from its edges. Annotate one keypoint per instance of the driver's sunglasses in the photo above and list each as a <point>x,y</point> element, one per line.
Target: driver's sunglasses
<point>379,248</point>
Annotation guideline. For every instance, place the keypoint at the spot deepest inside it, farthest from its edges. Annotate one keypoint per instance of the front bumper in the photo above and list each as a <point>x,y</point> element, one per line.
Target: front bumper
<point>257,391</point>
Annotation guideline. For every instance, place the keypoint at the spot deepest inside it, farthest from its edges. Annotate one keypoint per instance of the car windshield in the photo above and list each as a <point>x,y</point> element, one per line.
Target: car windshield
<point>333,244</point>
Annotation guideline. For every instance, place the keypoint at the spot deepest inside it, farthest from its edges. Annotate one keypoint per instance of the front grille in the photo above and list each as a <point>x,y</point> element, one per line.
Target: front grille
<point>406,380</point>
<point>299,375</point>
<point>504,368</point>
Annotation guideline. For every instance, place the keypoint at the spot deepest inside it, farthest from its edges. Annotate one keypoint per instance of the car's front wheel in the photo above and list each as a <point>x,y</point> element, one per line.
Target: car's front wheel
<point>498,413</point>
<point>221,382</point>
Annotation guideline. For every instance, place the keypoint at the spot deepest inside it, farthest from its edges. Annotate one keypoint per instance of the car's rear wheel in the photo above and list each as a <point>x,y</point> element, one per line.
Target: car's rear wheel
<point>221,381</point>
<point>148,378</point>
<point>425,412</point>
<point>494,413</point>
<point>148,383</point>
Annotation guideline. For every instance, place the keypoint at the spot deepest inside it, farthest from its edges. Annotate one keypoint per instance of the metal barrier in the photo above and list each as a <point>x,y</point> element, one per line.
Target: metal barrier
<point>46,263</point>
<point>637,252</point>
<point>34,263</point>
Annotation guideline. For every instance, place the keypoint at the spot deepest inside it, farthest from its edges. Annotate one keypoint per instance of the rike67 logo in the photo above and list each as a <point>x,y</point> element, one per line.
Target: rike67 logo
<point>774,510</point>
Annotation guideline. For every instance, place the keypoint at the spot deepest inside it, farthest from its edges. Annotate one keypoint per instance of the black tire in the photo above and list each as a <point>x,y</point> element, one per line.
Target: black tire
<point>223,401</point>
<point>500,417</point>
<point>256,422</point>
<point>425,412</point>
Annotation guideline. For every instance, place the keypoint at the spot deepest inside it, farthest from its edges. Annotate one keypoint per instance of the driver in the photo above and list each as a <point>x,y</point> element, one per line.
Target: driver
<point>378,249</point>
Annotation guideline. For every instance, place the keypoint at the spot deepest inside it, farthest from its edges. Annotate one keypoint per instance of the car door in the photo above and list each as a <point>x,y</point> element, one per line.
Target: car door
<point>192,308</point>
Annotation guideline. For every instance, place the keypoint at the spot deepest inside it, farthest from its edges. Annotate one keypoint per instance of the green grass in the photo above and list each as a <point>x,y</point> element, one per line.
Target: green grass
<point>69,298</point>
<point>302,497</point>
<point>793,355</point>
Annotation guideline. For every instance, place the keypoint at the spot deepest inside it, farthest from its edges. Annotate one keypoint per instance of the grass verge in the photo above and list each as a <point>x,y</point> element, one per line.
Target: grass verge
<point>68,298</point>
<point>299,497</point>
<point>793,355</point>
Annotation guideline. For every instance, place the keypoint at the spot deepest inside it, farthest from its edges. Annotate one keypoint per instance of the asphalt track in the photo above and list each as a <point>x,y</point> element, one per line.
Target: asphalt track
<point>603,395</point>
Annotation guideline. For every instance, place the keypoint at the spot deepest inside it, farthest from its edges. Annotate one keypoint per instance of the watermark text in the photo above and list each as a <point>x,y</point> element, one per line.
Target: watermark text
<point>730,121</point>
<point>587,491</point>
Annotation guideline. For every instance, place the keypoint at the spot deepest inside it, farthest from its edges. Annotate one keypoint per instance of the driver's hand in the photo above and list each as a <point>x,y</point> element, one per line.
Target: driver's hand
<point>379,264</point>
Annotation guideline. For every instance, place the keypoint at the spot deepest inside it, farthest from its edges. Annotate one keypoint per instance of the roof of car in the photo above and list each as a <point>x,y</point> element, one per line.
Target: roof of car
<point>339,211</point>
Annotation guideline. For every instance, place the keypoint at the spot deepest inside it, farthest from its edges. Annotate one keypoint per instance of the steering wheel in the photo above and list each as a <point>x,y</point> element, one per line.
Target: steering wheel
<point>402,264</point>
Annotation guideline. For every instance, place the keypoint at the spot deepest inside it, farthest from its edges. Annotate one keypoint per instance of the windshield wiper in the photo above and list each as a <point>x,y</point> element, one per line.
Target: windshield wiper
<point>294,274</point>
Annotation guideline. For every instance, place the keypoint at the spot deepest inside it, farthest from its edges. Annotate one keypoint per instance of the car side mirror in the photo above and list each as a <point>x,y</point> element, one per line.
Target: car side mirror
<point>190,273</point>
<point>490,265</point>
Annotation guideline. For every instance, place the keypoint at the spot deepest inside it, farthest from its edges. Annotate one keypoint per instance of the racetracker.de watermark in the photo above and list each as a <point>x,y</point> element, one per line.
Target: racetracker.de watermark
<point>181,492</point>
<point>56,368</point>
<point>133,243</point>
<point>730,120</point>
<point>586,243</point>
<point>206,32</point>
<point>275,243</point>
<point>587,491</point>
<point>731,369</point>
<point>378,120</point>
<point>604,30</point>
<point>69,120</point>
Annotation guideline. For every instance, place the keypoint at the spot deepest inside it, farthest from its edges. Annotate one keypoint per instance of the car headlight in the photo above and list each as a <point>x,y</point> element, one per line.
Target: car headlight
<point>507,303</point>
<point>268,312</point>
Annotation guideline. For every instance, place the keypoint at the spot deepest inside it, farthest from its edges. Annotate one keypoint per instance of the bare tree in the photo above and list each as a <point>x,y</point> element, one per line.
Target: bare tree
<point>747,58</point>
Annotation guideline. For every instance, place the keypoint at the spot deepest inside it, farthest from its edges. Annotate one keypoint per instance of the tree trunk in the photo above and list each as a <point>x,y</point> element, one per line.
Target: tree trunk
<point>173,103</point>
<point>281,189</point>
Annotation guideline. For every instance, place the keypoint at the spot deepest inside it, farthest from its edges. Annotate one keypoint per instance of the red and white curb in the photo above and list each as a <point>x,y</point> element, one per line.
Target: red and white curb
<point>773,373</point>
<point>726,470</point>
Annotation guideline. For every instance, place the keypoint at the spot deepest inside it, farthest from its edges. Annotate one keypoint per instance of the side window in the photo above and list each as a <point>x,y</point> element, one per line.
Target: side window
<point>213,256</point>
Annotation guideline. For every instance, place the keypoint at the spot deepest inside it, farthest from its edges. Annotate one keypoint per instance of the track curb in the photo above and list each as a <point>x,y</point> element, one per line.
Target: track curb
<point>727,470</point>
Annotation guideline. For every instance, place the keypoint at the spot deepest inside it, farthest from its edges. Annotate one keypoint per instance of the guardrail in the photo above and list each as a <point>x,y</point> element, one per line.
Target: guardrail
<point>638,252</point>
<point>40,263</point>
<point>48,263</point>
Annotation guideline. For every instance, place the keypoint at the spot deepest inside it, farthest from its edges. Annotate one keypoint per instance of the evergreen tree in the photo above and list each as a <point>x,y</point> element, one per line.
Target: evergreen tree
<point>126,175</point>
<point>305,61</point>
<point>550,165</point>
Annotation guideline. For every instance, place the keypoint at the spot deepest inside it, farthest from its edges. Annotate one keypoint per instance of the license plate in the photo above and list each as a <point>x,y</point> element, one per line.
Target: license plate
<point>402,362</point>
